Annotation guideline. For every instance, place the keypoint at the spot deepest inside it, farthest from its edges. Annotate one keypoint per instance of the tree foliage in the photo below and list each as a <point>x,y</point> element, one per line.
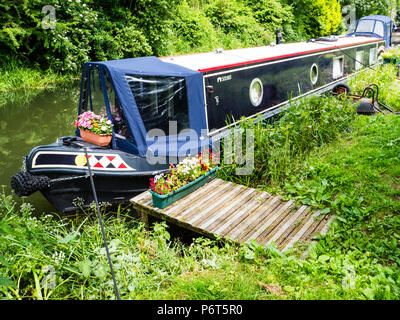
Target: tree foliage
<point>364,8</point>
<point>319,17</point>
<point>112,29</point>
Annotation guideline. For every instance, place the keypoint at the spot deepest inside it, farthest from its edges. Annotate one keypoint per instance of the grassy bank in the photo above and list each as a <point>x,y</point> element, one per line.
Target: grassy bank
<point>14,77</point>
<point>320,153</point>
<point>356,177</point>
<point>21,84</point>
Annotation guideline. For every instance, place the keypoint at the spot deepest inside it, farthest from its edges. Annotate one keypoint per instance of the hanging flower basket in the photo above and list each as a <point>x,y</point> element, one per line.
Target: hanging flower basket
<point>93,128</point>
<point>186,177</point>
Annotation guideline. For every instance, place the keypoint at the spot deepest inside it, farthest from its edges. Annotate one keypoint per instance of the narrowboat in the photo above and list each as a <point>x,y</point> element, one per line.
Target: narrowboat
<point>165,108</point>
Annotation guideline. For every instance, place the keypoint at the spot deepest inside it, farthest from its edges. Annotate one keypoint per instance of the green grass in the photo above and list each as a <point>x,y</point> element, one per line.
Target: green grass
<point>385,76</point>
<point>20,84</point>
<point>356,177</point>
<point>344,164</point>
<point>16,77</point>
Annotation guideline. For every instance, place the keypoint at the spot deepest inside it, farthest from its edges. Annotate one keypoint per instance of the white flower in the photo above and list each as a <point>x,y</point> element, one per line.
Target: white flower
<point>108,121</point>
<point>103,128</point>
<point>157,177</point>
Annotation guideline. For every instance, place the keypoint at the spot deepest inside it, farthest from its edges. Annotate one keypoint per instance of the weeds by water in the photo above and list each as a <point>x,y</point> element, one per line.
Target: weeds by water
<point>19,85</point>
<point>280,148</point>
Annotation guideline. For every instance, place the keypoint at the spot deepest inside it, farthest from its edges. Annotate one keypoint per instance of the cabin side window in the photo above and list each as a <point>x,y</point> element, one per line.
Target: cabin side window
<point>372,56</point>
<point>160,100</point>
<point>96,97</point>
<point>120,125</point>
<point>338,67</point>
<point>366,26</point>
<point>359,60</point>
<point>379,29</point>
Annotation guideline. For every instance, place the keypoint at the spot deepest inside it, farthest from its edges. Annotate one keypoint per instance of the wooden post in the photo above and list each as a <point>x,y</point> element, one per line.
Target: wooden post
<point>145,219</point>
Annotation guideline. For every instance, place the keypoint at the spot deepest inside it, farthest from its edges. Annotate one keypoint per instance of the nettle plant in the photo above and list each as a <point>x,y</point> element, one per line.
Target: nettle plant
<point>188,170</point>
<point>92,122</point>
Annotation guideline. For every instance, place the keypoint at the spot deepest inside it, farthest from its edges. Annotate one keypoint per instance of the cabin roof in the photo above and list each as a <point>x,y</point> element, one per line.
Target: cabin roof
<point>384,19</point>
<point>211,61</point>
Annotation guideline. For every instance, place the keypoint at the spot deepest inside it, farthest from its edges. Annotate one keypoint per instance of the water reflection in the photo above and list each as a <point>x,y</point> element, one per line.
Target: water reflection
<point>44,116</point>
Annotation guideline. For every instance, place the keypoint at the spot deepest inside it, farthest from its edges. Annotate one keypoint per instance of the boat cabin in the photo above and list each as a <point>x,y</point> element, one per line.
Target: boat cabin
<point>152,97</point>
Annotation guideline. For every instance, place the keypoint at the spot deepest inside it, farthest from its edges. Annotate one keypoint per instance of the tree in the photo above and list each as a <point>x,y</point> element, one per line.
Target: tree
<point>370,7</point>
<point>319,17</point>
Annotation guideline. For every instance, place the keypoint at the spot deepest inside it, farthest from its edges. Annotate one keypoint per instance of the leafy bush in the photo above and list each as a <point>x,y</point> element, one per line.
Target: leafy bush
<point>365,8</point>
<point>190,31</point>
<point>279,147</point>
<point>236,19</point>
<point>319,17</point>
<point>385,76</point>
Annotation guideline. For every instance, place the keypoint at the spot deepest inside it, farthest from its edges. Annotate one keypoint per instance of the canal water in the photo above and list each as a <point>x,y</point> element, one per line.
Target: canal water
<point>29,118</point>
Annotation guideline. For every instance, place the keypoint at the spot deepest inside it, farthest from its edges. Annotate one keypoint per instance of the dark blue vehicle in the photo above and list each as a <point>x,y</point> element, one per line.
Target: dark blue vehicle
<point>376,26</point>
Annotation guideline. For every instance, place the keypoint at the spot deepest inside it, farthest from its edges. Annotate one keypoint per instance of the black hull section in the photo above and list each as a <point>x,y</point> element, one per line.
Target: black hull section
<point>69,195</point>
<point>61,172</point>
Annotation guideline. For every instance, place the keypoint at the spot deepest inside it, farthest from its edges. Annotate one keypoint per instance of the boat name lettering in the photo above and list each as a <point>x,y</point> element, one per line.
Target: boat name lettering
<point>224,78</point>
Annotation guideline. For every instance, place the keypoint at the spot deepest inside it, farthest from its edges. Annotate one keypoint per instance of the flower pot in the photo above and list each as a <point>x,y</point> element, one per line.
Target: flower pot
<point>162,201</point>
<point>97,139</point>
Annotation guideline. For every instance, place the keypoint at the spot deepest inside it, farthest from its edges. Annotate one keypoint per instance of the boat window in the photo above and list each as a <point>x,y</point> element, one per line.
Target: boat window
<point>379,29</point>
<point>256,92</point>
<point>119,121</point>
<point>96,92</point>
<point>338,67</point>
<point>359,60</point>
<point>314,74</point>
<point>365,26</point>
<point>160,100</point>
<point>372,56</point>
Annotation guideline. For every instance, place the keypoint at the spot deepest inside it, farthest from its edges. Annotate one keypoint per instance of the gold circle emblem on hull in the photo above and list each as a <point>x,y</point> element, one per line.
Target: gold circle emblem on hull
<point>80,160</point>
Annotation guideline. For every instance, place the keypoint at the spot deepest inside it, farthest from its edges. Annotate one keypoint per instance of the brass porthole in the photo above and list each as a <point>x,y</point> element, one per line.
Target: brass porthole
<point>256,92</point>
<point>314,74</point>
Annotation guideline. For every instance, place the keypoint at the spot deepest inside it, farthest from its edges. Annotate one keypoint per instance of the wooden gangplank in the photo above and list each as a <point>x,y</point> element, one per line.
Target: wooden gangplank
<point>240,214</point>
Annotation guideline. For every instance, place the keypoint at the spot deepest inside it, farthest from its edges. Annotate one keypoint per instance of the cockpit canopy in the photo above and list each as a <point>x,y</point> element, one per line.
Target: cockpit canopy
<point>140,95</point>
<point>377,26</point>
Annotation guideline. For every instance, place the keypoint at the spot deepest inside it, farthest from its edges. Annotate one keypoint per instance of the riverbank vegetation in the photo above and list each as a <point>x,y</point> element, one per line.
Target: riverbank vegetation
<point>330,158</point>
<point>42,45</point>
<point>39,42</point>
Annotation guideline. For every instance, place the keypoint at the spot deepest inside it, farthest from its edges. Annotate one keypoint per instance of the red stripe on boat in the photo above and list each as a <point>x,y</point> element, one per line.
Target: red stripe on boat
<point>284,56</point>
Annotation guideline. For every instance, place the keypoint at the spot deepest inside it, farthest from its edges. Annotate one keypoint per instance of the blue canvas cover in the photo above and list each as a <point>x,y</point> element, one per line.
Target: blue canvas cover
<point>387,24</point>
<point>151,66</point>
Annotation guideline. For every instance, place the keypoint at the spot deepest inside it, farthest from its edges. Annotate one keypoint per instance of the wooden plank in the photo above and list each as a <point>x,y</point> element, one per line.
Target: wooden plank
<point>253,219</point>
<point>297,235</point>
<point>240,216</point>
<point>274,235</point>
<point>217,206</point>
<point>272,218</point>
<point>321,227</point>
<point>290,226</point>
<point>201,203</point>
<point>236,196</point>
<point>262,213</point>
<point>140,196</point>
<point>238,213</point>
<point>214,221</point>
<point>192,197</point>
<point>257,202</point>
